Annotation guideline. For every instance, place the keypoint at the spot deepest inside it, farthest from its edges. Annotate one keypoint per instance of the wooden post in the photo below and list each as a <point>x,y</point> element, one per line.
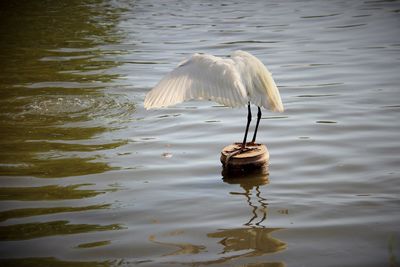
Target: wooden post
<point>254,157</point>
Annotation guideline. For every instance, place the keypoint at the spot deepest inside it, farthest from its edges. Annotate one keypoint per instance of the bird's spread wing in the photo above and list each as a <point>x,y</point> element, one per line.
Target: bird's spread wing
<point>264,83</point>
<point>199,77</point>
<point>258,81</point>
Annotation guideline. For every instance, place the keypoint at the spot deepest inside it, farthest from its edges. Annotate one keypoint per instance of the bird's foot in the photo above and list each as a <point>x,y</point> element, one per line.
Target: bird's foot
<point>253,143</point>
<point>248,146</point>
<point>244,148</point>
<point>240,149</point>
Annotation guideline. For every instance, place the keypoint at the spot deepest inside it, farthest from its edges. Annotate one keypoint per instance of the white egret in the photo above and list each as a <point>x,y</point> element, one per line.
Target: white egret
<point>233,82</point>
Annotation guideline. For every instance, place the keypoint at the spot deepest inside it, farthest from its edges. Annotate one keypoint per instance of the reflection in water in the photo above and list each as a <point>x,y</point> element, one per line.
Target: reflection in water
<point>53,168</point>
<point>38,51</point>
<point>182,248</point>
<point>52,86</point>
<point>64,65</point>
<point>248,182</point>
<point>256,239</point>
<point>251,241</point>
<point>20,213</point>
<point>265,264</point>
<point>392,248</point>
<point>251,177</point>
<point>50,192</point>
<point>36,230</point>
<point>56,110</point>
<point>94,244</point>
<point>51,262</point>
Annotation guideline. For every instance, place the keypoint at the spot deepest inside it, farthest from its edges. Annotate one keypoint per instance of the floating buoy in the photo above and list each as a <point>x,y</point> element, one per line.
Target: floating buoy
<point>252,158</point>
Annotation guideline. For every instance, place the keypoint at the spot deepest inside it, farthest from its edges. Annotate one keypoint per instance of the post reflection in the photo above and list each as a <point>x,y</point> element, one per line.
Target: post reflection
<point>252,239</point>
<point>251,184</point>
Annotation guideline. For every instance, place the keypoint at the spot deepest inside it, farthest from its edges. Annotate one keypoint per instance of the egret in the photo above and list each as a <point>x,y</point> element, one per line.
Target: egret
<point>235,81</point>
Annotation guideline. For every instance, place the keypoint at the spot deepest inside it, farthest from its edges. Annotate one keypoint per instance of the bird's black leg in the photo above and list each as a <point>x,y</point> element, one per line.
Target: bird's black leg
<point>247,126</point>
<point>258,122</point>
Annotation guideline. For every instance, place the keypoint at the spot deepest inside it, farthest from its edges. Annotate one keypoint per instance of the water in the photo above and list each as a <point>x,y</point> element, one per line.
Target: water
<point>90,178</point>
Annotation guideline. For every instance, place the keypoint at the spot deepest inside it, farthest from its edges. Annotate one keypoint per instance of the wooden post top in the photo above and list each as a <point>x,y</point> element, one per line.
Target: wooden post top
<point>255,155</point>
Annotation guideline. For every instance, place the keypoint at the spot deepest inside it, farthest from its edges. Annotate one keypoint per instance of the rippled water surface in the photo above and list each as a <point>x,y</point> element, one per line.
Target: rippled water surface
<point>90,178</point>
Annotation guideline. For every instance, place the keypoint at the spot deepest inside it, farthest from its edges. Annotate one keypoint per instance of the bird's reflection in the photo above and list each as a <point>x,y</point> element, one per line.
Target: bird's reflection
<point>256,241</point>
<point>253,239</point>
<point>180,248</point>
<point>251,183</point>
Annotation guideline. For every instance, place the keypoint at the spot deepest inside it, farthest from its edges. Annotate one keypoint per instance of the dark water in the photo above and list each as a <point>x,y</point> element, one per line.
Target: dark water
<point>90,178</point>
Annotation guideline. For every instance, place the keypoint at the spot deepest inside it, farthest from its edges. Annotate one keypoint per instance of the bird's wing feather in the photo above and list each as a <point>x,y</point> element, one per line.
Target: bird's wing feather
<point>200,77</point>
<point>265,83</point>
<point>258,81</point>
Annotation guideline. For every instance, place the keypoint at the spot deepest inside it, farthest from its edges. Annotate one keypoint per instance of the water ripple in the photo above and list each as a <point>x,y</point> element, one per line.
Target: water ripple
<point>86,107</point>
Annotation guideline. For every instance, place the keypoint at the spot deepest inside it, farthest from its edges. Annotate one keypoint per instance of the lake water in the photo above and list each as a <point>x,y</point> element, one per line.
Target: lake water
<point>90,178</point>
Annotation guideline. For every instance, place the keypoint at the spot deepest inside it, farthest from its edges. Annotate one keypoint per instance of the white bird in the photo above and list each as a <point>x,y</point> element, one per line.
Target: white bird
<point>233,82</point>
